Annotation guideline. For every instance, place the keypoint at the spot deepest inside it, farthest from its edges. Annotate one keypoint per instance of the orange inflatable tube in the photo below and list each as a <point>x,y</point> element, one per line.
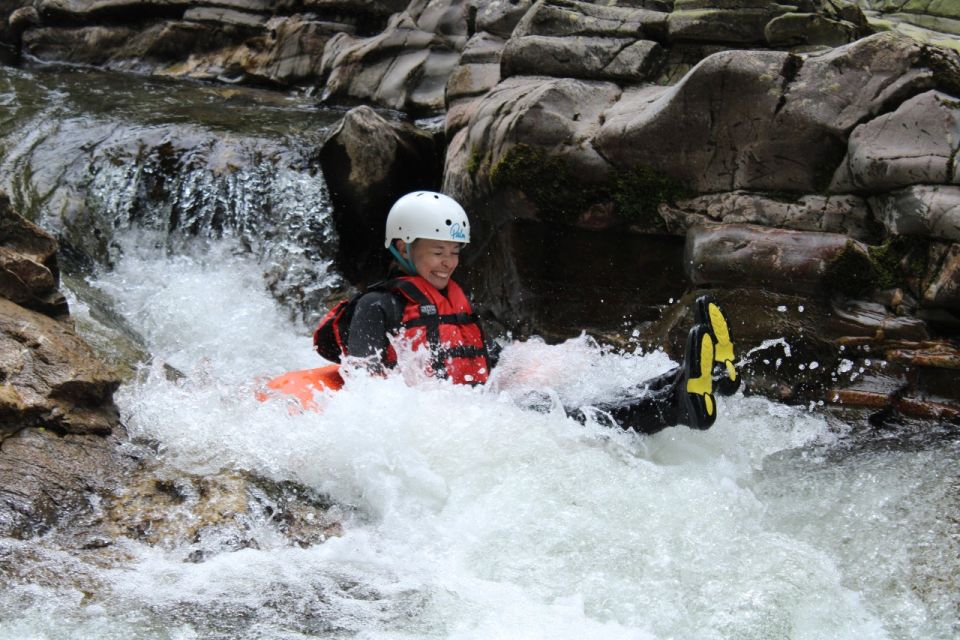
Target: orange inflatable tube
<point>303,384</point>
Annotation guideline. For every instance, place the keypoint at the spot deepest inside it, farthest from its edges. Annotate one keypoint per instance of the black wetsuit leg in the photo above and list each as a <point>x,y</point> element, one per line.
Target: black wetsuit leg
<point>654,407</point>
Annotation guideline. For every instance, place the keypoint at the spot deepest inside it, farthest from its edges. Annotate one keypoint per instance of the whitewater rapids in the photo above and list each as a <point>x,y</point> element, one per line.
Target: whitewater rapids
<point>466,516</point>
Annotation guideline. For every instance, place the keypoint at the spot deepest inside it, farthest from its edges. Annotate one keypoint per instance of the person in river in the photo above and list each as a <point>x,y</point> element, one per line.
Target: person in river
<point>422,304</point>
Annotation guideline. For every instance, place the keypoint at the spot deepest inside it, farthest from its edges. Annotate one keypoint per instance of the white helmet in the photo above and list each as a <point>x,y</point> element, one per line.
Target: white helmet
<point>425,214</point>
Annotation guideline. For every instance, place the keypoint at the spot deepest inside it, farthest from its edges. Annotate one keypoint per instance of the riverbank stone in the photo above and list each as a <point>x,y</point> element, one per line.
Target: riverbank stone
<point>845,214</point>
<point>763,257</point>
<point>921,210</point>
<point>29,270</point>
<point>915,144</point>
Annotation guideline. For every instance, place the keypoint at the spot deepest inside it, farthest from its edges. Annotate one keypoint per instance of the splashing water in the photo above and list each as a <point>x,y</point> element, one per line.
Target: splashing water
<point>467,516</point>
<point>86,153</point>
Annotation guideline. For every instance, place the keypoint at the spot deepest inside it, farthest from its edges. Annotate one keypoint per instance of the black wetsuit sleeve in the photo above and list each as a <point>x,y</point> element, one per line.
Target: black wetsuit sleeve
<point>376,316</point>
<point>493,352</point>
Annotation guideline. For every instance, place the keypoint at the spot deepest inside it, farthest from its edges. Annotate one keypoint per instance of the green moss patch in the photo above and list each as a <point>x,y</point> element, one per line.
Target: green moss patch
<point>639,191</point>
<point>553,185</point>
<point>899,262</point>
<point>851,272</point>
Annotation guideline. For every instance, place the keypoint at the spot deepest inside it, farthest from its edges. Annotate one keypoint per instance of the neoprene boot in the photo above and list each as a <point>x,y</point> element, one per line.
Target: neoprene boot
<point>726,378</point>
<point>697,407</point>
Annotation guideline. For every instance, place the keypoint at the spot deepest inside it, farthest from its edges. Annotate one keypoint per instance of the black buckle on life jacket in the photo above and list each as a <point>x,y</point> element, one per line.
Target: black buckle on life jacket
<point>431,321</point>
<point>462,351</point>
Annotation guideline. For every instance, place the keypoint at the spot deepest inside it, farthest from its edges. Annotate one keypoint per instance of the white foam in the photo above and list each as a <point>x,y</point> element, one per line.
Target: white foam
<point>474,517</point>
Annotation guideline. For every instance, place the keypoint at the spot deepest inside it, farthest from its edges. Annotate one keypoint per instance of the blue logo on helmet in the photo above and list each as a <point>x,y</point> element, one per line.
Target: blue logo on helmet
<point>457,234</point>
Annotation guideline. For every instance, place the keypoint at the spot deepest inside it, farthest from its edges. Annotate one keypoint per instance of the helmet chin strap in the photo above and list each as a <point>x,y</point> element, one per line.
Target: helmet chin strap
<point>405,263</point>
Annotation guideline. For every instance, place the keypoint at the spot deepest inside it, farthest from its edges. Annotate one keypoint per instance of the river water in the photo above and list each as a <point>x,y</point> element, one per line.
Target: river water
<point>465,515</point>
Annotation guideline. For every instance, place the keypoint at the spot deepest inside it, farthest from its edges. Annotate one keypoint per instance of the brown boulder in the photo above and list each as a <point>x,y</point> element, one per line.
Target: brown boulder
<point>846,214</point>
<point>477,73</point>
<point>729,21</point>
<point>591,58</point>
<point>500,17</point>
<point>56,398</point>
<point>404,67</point>
<point>774,259</point>
<point>29,275</point>
<point>793,29</point>
<point>558,18</point>
<point>557,115</point>
<point>51,378</point>
<point>764,120</point>
<point>916,144</point>
<point>48,479</point>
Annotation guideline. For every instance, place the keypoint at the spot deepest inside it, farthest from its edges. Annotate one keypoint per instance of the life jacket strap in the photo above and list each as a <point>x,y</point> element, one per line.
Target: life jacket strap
<point>430,320</point>
<point>462,351</point>
<point>427,319</point>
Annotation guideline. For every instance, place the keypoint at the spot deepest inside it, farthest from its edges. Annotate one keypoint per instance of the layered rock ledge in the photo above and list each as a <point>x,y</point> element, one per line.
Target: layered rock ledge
<point>58,423</point>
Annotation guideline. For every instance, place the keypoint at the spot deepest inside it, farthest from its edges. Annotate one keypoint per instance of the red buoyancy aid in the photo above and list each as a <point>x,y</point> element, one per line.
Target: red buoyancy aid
<point>447,325</point>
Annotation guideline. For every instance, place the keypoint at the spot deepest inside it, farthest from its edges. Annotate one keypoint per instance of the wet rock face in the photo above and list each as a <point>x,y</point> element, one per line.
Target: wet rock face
<point>252,41</point>
<point>29,274</point>
<point>48,479</point>
<point>931,21</point>
<point>56,398</point>
<point>51,378</point>
<point>368,163</point>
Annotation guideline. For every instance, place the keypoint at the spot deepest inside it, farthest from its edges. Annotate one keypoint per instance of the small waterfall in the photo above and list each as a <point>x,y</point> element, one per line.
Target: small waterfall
<point>88,154</point>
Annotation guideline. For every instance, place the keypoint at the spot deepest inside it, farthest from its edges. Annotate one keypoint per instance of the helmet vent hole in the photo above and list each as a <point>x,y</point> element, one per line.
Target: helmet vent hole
<point>449,223</point>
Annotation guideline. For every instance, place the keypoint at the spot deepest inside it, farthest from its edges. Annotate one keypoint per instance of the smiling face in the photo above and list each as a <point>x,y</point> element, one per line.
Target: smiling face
<point>435,260</point>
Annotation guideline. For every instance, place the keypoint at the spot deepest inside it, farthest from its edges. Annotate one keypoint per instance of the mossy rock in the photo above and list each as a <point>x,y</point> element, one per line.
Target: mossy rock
<point>900,261</point>
<point>553,185</point>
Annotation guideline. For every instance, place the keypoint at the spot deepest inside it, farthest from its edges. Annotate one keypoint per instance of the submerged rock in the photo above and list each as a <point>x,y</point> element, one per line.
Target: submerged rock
<point>50,479</point>
<point>204,515</point>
